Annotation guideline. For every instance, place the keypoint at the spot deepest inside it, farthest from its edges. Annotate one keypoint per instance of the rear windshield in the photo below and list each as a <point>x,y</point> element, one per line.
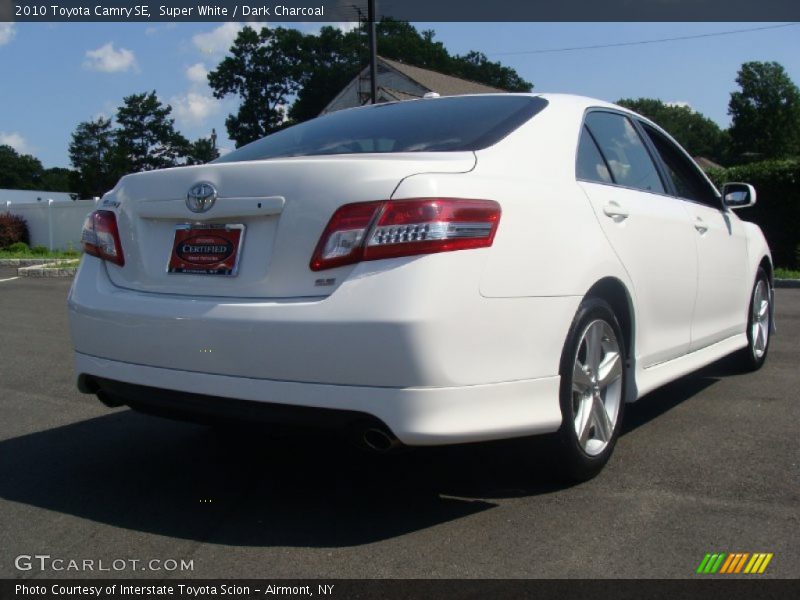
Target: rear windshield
<point>450,124</point>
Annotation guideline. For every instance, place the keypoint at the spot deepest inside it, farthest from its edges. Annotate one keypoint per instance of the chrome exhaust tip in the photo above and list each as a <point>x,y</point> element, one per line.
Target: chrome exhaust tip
<point>379,440</point>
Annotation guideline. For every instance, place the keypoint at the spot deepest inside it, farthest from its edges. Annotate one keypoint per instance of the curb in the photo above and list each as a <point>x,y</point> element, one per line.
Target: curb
<point>25,262</point>
<point>46,269</point>
<point>787,283</point>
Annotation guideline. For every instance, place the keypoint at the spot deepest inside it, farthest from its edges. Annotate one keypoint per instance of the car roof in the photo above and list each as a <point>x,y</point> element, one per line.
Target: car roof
<point>578,101</point>
<point>569,101</point>
<point>565,100</point>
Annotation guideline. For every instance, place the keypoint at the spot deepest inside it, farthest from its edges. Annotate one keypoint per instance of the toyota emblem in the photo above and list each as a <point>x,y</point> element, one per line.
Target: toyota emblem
<point>201,197</point>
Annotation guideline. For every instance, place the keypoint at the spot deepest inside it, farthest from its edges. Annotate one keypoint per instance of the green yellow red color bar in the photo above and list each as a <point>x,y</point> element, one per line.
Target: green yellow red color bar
<point>735,562</point>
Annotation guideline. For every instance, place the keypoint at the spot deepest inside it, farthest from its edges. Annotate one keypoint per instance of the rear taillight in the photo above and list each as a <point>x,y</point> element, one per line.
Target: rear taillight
<point>375,230</point>
<point>100,237</point>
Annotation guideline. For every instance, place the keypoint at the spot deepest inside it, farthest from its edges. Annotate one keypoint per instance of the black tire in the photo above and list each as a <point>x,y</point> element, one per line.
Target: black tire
<point>751,358</point>
<point>575,463</point>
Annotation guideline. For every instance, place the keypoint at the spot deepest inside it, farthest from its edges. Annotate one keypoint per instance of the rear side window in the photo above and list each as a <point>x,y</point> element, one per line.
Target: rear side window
<point>683,171</point>
<point>624,152</point>
<point>451,124</point>
<point>590,165</point>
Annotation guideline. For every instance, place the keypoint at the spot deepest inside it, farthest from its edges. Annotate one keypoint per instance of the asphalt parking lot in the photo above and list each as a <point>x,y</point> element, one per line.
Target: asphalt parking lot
<point>709,463</point>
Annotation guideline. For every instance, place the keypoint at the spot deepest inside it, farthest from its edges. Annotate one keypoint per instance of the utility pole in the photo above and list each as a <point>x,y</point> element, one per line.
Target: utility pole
<point>373,52</point>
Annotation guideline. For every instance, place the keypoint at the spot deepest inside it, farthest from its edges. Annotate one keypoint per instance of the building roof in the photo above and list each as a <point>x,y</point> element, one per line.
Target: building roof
<point>444,85</point>
<point>706,163</point>
<point>397,94</point>
<point>427,80</point>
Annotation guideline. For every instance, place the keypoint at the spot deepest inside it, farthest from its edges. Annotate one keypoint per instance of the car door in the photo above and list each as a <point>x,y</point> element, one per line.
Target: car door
<point>722,286</point>
<point>649,230</point>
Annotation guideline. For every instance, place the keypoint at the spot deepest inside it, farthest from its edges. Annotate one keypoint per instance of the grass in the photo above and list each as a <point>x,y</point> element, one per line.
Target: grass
<point>48,254</point>
<point>781,273</point>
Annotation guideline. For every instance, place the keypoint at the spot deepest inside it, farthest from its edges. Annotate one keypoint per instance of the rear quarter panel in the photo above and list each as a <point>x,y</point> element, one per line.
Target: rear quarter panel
<point>548,252</point>
<point>549,242</point>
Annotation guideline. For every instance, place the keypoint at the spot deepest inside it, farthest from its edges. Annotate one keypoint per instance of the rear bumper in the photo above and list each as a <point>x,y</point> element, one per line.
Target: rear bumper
<point>424,353</point>
<point>405,326</point>
<point>417,416</point>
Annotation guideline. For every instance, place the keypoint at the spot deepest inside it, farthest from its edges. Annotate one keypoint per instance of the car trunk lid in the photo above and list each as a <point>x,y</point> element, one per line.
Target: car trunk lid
<point>279,207</point>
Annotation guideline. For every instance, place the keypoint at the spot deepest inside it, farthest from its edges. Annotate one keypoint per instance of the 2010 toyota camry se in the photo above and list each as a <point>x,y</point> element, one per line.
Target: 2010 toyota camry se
<point>426,272</point>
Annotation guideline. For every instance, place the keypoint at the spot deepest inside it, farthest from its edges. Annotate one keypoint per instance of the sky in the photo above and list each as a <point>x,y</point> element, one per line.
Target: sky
<point>55,75</point>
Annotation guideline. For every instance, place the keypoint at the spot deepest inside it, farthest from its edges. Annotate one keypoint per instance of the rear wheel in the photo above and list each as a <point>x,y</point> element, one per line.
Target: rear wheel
<point>759,322</point>
<point>592,393</point>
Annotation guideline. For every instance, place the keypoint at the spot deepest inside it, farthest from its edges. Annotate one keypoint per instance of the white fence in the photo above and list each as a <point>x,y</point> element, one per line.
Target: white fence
<point>56,225</point>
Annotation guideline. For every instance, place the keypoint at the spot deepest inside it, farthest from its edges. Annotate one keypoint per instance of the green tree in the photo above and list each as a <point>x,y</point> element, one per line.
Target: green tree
<point>265,71</point>
<point>275,68</point>
<point>58,179</point>
<point>201,151</point>
<point>699,135</point>
<point>93,153</point>
<point>25,172</point>
<point>19,171</point>
<point>765,113</point>
<point>146,138</point>
<point>476,67</point>
<point>399,40</point>
<point>332,60</point>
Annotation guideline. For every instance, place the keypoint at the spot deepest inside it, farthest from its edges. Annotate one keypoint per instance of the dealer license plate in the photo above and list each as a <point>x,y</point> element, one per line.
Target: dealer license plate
<point>206,249</point>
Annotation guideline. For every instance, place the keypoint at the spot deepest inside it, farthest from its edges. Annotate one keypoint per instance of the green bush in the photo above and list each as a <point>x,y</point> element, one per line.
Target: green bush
<point>18,247</point>
<point>40,250</point>
<point>777,209</point>
<point>13,229</point>
<point>786,274</point>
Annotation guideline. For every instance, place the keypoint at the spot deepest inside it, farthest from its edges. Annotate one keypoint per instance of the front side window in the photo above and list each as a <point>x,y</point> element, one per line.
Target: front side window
<point>683,171</point>
<point>624,151</point>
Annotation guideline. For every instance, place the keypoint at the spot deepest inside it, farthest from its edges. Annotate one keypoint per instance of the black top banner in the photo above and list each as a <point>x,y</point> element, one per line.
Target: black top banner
<point>406,10</point>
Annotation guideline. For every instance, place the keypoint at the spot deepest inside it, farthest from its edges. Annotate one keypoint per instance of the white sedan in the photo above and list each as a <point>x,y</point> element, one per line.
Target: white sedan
<point>436,271</point>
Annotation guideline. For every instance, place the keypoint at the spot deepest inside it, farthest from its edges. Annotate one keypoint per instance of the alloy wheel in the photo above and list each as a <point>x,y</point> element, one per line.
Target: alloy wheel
<point>759,328</point>
<point>596,387</point>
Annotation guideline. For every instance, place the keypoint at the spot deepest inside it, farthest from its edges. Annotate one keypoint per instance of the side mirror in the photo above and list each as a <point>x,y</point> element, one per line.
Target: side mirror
<point>738,195</point>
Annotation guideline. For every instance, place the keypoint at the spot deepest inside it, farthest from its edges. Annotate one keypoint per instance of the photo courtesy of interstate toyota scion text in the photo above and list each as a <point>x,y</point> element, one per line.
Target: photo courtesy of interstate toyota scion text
<point>428,272</point>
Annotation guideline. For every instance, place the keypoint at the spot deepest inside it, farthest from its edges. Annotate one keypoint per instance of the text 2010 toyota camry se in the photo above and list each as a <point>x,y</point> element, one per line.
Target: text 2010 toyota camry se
<point>435,271</point>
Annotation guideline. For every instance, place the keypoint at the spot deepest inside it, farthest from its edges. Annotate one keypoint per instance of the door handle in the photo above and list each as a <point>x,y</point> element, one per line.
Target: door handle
<point>700,225</point>
<point>616,211</point>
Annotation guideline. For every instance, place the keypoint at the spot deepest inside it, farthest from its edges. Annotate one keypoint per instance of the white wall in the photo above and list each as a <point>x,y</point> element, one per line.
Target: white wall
<point>54,224</point>
<point>15,196</point>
